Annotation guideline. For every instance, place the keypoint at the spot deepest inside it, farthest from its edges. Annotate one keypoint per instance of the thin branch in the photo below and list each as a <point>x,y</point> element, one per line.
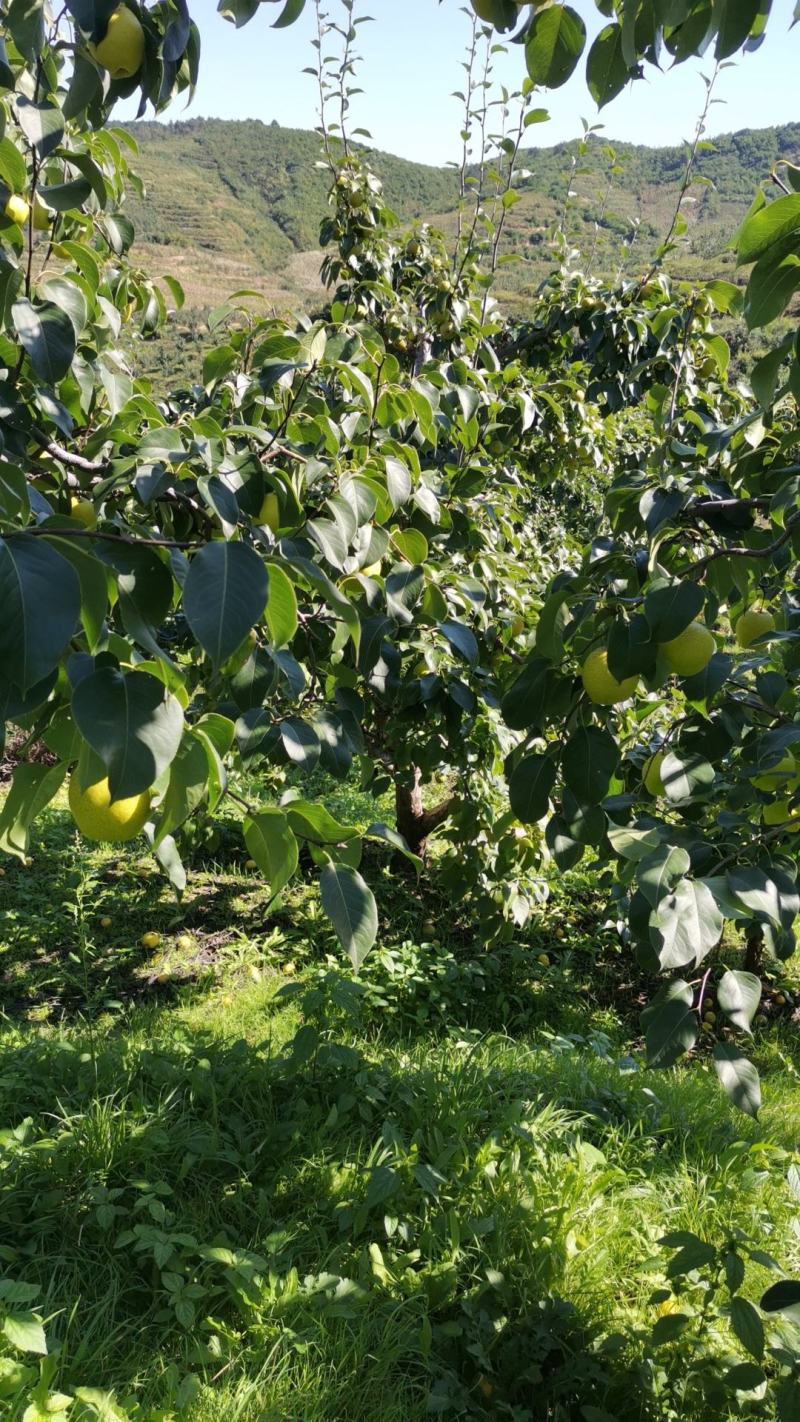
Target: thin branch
<point>768,552</point>
<point>38,531</point>
<point>76,461</point>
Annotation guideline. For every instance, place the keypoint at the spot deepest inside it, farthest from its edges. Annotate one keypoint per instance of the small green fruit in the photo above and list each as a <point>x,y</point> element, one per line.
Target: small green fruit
<point>651,775</point>
<point>753,624</point>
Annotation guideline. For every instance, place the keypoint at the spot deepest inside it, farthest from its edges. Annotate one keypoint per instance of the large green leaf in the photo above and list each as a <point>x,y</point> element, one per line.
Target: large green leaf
<point>32,787</point>
<point>25,1331</point>
<point>739,1078</point>
<point>685,925</point>
<point>607,71</point>
<point>351,908</point>
<point>671,1029</point>
<point>670,610</point>
<point>40,600</point>
<point>773,282</point>
<point>312,821</point>
<point>590,758</point>
<point>133,724</point>
<point>739,994</point>
<point>273,846</point>
<point>530,786</point>
<point>42,124</point>
<point>47,335</point>
<point>224,595</point>
<point>554,45</point>
<point>188,785</point>
<point>281,607</point>
<point>769,225</point>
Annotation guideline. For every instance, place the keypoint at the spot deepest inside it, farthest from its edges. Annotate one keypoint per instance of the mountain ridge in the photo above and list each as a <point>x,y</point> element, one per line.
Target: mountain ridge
<point>237,203</point>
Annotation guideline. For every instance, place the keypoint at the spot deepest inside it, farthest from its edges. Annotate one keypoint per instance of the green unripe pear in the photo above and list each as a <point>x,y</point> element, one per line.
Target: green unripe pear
<point>691,651</point>
<point>269,515</point>
<point>651,775</point>
<point>600,686</point>
<point>752,625</point>
<point>783,776</point>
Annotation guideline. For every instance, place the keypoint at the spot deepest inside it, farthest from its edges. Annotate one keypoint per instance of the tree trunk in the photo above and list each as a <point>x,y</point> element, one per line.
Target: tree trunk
<point>414,822</point>
<point>754,949</point>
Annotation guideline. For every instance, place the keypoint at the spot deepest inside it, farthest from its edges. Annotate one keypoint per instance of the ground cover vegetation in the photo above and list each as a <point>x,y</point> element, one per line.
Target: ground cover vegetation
<point>447,663</point>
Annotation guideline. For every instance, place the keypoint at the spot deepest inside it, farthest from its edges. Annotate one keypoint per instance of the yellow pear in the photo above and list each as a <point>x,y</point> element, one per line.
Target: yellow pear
<point>122,50</point>
<point>753,624</point>
<point>97,818</point>
<point>42,216</point>
<point>270,513</point>
<point>781,813</point>
<point>690,652</point>
<point>83,511</point>
<point>17,209</point>
<point>599,684</point>
<point>651,775</point>
<point>783,776</point>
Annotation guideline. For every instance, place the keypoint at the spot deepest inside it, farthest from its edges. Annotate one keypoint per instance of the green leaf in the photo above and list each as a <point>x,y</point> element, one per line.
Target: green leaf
<point>168,856</point>
<point>351,908</point>
<point>25,1331</point>
<point>42,124</point>
<point>12,166</point>
<point>590,759</point>
<point>47,335</point>
<point>738,1077</point>
<point>685,925</point>
<point>528,699</point>
<point>783,1297</point>
<point>607,71</point>
<point>273,846</point>
<point>773,282</point>
<point>685,776</point>
<point>41,602</point>
<point>762,229</point>
<point>747,1326</point>
<point>301,742</point>
<point>93,580</point>
<point>224,596</point>
<point>739,994</point>
<point>32,787</point>
<point>670,610</point>
<point>554,45</point>
<point>188,786</point>
<point>529,788</point>
<point>391,836</point>
<point>764,895</point>
<point>461,639</point>
<point>744,1377</point>
<point>132,723</point>
<point>671,1031</point>
<point>314,822</point>
<point>281,607</point>
<point>659,871</point>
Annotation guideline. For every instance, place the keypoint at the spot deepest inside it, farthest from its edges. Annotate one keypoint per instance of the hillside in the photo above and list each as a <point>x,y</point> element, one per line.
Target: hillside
<point>231,205</point>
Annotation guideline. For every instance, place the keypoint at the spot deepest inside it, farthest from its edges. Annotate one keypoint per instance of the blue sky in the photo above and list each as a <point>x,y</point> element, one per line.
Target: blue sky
<point>412,54</point>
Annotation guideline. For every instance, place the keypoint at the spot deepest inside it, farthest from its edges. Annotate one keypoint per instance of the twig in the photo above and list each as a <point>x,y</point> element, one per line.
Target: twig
<point>768,552</point>
<point>41,532</point>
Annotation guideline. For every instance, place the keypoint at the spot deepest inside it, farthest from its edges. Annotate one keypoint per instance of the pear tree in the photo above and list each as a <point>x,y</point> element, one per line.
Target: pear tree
<point>549,566</point>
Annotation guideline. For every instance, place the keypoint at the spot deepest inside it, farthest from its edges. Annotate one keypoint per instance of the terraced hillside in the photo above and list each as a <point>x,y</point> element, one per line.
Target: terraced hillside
<point>234,205</point>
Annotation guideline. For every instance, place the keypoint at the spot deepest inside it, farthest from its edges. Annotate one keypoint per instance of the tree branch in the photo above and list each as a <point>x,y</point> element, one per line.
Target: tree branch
<point>768,552</point>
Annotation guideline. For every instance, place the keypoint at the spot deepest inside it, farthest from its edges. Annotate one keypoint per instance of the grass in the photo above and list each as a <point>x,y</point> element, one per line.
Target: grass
<point>250,1188</point>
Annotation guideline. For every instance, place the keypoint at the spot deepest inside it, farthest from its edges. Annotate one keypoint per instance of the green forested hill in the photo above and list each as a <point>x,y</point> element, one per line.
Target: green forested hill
<point>238,204</point>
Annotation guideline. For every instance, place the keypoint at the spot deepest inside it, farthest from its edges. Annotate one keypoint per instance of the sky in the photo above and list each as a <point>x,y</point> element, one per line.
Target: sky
<point>412,55</point>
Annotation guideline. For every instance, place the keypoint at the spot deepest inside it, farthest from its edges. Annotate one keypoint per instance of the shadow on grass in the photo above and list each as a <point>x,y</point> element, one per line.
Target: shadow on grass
<point>311,1204</point>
